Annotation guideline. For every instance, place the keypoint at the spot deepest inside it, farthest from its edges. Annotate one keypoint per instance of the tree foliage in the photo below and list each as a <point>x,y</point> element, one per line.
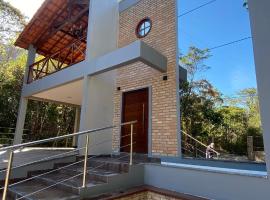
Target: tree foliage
<point>207,115</point>
<point>11,21</point>
<point>43,119</point>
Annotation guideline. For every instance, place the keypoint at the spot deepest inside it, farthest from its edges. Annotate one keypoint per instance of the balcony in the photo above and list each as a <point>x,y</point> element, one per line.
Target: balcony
<point>58,34</point>
<point>66,57</point>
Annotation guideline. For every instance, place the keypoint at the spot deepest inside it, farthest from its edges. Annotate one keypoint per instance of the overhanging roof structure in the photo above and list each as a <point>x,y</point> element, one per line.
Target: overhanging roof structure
<point>50,30</point>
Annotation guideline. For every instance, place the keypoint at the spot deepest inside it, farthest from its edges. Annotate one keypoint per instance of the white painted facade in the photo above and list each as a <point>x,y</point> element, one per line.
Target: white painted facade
<point>97,98</point>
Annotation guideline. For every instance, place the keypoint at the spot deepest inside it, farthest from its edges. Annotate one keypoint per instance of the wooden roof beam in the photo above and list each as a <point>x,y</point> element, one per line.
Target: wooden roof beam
<point>82,2</point>
<point>71,35</point>
<point>51,24</point>
<point>66,22</point>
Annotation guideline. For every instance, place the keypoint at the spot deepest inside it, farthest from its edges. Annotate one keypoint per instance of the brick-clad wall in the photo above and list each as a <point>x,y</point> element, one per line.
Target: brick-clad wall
<point>138,196</point>
<point>147,196</point>
<point>164,93</point>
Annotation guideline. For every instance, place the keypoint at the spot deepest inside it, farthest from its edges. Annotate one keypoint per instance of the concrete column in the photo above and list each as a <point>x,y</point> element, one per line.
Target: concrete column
<point>260,26</point>
<point>97,112</point>
<point>97,103</point>
<point>83,114</point>
<point>24,101</point>
<point>102,35</point>
<point>76,126</point>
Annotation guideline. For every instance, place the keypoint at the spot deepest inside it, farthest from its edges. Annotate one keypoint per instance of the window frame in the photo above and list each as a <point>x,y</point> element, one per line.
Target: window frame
<point>139,27</point>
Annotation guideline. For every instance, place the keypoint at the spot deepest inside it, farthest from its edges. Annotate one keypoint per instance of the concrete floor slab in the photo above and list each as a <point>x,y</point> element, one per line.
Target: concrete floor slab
<point>28,155</point>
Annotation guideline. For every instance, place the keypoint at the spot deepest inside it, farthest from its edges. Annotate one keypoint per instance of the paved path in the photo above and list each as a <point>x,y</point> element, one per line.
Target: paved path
<point>27,155</point>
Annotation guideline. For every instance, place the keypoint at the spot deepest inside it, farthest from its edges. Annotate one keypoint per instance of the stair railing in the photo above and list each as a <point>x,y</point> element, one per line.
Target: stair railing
<point>86,148</point>
<point>7,136</point>
<point>200,143</point>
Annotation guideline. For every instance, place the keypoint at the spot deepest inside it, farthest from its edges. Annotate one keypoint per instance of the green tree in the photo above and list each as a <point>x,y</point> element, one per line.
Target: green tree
<point>203,114</point>
<point>43,119</point>
<point>198,96</point>
<point>12,21</point>
<point>233,130</point>
<point>249,99</point>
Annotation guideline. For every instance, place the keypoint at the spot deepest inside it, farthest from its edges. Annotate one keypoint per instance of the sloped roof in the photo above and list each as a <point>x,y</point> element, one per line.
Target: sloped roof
<point>50,28</point>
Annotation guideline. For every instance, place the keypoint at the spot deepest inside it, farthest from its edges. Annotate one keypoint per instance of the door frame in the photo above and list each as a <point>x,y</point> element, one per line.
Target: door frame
<point>149,88</point>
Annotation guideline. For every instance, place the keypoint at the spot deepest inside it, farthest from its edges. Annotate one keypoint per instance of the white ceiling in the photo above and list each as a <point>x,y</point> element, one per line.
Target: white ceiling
<point>70,93</point>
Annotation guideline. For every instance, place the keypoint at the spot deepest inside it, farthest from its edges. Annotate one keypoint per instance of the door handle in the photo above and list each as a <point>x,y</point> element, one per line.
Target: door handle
<point>143,116</point>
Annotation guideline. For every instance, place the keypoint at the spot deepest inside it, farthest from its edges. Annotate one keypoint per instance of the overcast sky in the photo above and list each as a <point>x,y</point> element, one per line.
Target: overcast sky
<point>28,7</point>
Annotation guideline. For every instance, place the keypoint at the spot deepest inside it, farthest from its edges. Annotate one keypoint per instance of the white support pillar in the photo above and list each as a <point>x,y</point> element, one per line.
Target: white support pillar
<point>24,101</point>
<point>102,35</point>
<point>84,110</point>
<point>260,26</point>
<point>76,126</point>
<point>97,103</point>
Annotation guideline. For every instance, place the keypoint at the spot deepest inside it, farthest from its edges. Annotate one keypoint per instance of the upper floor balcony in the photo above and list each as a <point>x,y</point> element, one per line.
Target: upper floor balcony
<point>66,57</point>
<point>58,32</point>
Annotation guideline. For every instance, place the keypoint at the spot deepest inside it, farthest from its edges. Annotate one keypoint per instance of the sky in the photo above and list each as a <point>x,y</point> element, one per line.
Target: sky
<point>27,7</point>
<point>231,67</point>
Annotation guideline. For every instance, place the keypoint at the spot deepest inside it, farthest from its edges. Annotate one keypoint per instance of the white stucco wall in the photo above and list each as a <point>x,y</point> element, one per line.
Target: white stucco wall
<point>207,183</point>
<point>97,103</point>
<point>260,25</point>
<point>102,28</point>
<point>97,112</point>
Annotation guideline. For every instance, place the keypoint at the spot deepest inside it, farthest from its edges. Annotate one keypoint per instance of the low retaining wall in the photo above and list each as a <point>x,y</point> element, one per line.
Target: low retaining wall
<point>208,184</point>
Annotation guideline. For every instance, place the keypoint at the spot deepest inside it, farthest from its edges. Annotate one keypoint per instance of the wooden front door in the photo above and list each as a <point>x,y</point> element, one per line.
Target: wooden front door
<point>135,107</point>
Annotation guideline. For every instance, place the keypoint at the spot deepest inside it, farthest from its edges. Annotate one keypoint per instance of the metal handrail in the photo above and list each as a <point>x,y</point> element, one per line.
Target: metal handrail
<point>196,148</point>
<point>44,159</point>
<point>61,154</point>
<point>70,178</point>
<point>8,138</point>
<point>199,142</point>
<point>46,173</point>
<point>9,128</point>
<point>19,146</point>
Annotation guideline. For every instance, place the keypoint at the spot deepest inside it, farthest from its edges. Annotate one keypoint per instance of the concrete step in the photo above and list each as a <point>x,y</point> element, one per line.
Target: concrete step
<point>100,171</point>
<point>29,187</point>
<point>23,172</point>
<point>134,177</point>
<point>102,164</point>
<point>105,175</point>
<point>95,174</point>
<point>137,158</point>
<point>94,177</point>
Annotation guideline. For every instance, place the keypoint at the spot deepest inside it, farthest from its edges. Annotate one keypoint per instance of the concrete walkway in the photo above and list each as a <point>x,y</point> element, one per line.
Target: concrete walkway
<point>27,155</point>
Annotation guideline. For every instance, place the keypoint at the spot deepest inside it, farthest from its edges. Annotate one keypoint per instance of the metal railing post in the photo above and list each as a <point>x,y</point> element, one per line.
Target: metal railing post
<point>85,162</point>
<point>131,144</point>
<point>8,175</point>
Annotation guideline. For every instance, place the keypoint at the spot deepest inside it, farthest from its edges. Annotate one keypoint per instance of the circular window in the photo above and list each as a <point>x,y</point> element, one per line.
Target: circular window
<point>144,28</point>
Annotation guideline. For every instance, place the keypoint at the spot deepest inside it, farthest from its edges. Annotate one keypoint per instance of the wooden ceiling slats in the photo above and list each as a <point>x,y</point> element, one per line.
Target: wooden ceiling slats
<point>41,30</point>
<point>54,17</point>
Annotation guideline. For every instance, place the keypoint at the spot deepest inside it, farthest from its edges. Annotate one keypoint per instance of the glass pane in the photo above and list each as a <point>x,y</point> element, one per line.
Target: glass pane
<point>147,30</point>
<point>147,24</point>
<point>141,28</point>
<point>141,33</point>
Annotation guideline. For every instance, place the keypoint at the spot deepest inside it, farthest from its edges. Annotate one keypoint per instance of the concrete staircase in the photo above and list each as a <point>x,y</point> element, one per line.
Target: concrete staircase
<point>105,175</point>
